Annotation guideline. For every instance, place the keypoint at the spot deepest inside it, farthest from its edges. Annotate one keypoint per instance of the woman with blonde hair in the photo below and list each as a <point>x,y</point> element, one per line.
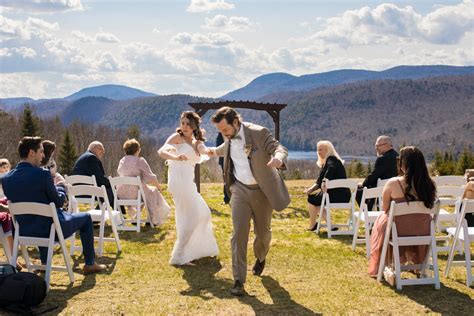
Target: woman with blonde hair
<point>332,167</point>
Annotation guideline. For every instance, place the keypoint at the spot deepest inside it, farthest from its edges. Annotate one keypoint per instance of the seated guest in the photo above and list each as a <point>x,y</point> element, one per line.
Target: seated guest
<point>469,194</point>
<point>30,183</point>
<point>385,167</point>
<point>7,226</point>
<point>49,163</point>
<point>415,184</point>
<point>89,164</point>
<point>133,165</point>
<point>332,167</point>
<point>4,166</point>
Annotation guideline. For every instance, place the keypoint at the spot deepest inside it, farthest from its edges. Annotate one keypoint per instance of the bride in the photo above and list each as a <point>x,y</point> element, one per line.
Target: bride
<point>183,150</point>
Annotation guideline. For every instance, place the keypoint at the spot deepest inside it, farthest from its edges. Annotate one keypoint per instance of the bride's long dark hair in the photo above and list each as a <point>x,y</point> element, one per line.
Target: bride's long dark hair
<point>194,122</point>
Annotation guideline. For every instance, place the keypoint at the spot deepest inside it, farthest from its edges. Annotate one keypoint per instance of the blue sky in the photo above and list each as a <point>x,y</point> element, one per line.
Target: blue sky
<point>53,48</point>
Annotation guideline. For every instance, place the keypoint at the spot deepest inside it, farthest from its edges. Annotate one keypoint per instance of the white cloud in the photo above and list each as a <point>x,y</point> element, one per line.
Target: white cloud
<point>208,5</point>
<point>35,6</point>
<point>224,23</point>
<point>101,37</point>
<point>106,38</point>
<point>107,62</point>
<point>156,31</point>
<point>388,22</point>
<point>82,36</point>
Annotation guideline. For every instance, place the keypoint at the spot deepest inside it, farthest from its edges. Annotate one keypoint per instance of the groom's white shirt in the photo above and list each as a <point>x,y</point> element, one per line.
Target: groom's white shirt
<point>242,171</point>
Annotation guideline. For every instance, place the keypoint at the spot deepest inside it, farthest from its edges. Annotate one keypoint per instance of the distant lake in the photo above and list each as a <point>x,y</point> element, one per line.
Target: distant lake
<point>311,155</point>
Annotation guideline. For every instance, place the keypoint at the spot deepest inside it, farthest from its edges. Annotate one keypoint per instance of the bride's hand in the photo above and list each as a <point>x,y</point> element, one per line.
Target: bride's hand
<point>182,157</point>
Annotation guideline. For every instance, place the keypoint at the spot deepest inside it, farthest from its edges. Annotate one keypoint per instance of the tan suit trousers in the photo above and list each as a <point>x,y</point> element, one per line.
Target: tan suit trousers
<point>249,202</point>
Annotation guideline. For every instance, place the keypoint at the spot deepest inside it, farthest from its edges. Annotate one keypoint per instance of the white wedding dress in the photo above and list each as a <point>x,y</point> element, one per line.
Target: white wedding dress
<point>193,216</point>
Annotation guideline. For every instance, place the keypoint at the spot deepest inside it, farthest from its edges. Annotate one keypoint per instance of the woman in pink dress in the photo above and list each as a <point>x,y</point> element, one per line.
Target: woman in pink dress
<point>415,184</point>
<point>133,165</point>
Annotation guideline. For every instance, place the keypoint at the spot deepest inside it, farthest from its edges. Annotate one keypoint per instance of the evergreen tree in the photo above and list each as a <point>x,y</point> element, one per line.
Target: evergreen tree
<point>133,132</point>
<point>437,165</point>
<point>369,167</point>
<point>359,170</point>
<point>29,123</point>
<point>67,154</point>
<point>465,161</point>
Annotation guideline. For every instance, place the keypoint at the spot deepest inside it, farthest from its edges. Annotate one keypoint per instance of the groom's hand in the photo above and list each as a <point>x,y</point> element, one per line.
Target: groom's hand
<point>275,162</point>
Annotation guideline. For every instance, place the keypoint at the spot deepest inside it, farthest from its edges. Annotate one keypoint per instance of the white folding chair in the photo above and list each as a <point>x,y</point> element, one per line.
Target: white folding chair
<point>450,180</point>
<point>447,195</point>
<point>6,247</point>
<point>46,210</point>
<point>82,180</point>
<point>138,203</point>
<point>367,217</point>
<point>380,183</point>
<point>327,206</point>
<point>398,209</point>
<point>465,234</point>
<point>102,214</point>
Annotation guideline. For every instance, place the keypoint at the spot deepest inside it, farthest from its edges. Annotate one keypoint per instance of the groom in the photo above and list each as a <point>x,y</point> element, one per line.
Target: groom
<point>251,159</point>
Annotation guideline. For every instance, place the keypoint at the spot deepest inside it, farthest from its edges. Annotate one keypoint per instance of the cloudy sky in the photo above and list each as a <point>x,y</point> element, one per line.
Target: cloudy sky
<point>53,48</point>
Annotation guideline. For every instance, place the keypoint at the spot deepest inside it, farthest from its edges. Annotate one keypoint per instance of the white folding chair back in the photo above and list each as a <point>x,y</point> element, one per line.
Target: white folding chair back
<point>398,209</point>
<point>447,195</point>
<point>102,214</point>
<point>365,216</point>
<point>450,180</point>
<point>380,183</point>
<point>136,203</point>
<point>46,210</point>
<point>327,206</point>
<point>465,234</point>
<point>82,180</point>
<point>6,247</point>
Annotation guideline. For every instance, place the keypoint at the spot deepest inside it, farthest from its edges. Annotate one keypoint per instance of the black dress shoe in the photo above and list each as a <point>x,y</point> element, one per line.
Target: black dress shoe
<point>313,228</point>
<point>258,267</point>
<point>237,289</point>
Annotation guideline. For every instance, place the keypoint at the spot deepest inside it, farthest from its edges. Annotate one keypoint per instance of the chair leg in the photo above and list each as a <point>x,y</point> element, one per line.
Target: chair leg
<point>356,233</point>
<point>49,264</point>
<point>116,236</point>
<point>367,238</point>
<point>467,256</point>
<point>67,261</point>
<point>398,272</point>
<point>434,252</point>
<point>101,238</point>
<point>328,222</point>
<point>139,217</point>
<point>14,255</point>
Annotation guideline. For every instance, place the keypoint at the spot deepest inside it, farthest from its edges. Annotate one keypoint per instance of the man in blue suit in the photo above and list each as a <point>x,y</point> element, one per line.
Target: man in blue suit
<point>30,183</point>
<point>89,164</point>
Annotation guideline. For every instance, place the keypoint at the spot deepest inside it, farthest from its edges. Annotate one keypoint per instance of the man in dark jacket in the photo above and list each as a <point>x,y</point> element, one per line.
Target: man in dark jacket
<point>30,183</point>
<point>89,164</point>
<point>385,167</point>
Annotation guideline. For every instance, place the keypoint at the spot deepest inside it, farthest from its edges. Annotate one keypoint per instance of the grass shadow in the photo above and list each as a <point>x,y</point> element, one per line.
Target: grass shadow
<point>292,212</point>
<point>147,235</point>
<point>217,213</point>
<point>446,300</point>
<point>282,302</point>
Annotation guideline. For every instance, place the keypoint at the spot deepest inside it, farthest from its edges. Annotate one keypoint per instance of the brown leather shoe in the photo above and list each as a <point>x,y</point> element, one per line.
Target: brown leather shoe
<point>94,268</point>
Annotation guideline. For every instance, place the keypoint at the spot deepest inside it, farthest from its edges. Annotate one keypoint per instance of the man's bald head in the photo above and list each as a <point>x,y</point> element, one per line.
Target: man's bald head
<point>383,144</point>
<point>97,149</point>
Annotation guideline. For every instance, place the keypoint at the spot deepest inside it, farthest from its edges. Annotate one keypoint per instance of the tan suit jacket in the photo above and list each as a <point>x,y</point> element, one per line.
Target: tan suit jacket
<point>260,147</point>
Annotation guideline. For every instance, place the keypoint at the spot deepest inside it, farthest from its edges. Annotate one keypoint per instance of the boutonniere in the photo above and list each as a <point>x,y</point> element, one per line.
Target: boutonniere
<point>248,149</point>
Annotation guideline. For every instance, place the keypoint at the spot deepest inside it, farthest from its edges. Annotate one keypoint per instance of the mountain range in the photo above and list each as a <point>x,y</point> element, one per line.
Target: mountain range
<point>348,107</point>
<point>280,82</point>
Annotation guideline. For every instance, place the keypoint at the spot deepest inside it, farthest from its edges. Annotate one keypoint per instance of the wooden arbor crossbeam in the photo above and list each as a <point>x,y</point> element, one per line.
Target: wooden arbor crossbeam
<point>271,108</point>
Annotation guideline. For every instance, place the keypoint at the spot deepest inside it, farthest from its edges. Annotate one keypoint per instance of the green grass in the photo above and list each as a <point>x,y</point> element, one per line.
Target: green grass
<point>305,274</point>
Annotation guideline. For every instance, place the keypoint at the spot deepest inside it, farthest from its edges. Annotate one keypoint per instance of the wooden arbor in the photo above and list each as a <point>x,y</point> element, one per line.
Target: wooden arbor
<point>272,109</point>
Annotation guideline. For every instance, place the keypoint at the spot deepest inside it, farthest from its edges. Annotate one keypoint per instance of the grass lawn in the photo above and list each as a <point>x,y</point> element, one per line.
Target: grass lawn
<point>305,274</point>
